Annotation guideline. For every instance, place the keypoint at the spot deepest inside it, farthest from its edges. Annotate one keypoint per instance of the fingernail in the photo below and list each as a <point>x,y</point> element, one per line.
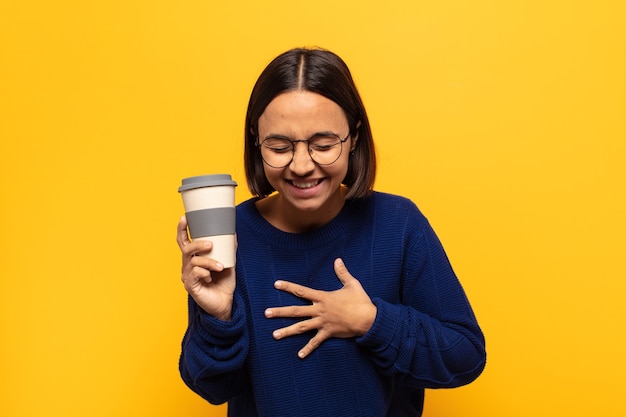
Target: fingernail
<point>301,354</point>
<point>276,334</point>
<point>219,265</point>
<point>278,284</point>
<point>268,313</point>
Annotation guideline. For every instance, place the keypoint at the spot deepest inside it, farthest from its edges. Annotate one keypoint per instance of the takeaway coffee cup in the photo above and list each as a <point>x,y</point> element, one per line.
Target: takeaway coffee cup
<point>209,202</point>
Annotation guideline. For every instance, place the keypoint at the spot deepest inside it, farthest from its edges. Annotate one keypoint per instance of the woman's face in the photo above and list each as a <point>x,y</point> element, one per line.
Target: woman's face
<point>303,185</point>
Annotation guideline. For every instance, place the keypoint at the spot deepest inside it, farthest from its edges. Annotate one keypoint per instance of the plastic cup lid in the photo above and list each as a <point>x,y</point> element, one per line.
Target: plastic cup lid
<point>206,181</point>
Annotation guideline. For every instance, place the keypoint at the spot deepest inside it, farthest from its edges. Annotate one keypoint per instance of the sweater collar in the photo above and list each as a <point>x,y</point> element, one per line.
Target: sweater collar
<point>332,231</point>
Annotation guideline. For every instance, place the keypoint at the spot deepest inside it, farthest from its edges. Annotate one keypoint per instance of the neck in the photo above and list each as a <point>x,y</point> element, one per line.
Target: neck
<point>285,217</point>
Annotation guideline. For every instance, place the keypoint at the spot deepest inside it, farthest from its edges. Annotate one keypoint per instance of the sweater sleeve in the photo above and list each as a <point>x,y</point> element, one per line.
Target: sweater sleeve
<point>214,352</point>
<point>431,338</point>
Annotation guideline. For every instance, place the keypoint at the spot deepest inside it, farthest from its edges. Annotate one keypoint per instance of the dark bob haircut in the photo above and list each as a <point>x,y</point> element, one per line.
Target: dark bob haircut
<point>322,72</point>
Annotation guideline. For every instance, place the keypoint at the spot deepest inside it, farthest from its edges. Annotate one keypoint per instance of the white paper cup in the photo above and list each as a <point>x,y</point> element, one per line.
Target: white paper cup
<point>209,202</point>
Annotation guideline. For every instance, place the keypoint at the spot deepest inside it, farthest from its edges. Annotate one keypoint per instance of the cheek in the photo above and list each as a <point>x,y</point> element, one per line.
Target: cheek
<point>272,174</point>
<point>344,163</point>
<point>338,170</point>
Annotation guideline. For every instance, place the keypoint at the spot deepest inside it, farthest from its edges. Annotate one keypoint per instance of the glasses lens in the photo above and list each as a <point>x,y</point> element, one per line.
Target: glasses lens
<point>278,152</point>
<point>325,149</point>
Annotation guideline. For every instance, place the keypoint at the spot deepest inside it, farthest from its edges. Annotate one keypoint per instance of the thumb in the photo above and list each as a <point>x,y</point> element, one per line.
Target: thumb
<point>182,236</point>
<point>342,272</point>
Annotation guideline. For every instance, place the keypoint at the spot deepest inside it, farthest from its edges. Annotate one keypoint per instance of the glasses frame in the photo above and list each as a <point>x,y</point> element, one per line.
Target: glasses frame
<point>293,149</point>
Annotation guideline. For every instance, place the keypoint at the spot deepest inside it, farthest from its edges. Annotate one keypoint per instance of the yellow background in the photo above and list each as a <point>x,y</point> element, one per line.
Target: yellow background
<point>503,120</point>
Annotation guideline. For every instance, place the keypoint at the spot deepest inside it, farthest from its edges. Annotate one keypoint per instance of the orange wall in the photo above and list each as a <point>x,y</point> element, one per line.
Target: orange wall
<point>503,120</point>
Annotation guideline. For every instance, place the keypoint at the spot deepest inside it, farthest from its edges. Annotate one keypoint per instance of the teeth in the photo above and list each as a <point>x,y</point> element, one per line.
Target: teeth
<point>305,184</point>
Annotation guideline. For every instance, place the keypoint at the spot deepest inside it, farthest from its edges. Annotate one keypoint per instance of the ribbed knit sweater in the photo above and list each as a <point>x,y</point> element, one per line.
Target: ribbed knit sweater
<point>424,335</point>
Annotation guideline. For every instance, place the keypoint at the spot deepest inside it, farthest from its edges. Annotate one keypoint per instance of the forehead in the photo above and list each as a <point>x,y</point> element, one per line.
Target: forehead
<point>297,112</point>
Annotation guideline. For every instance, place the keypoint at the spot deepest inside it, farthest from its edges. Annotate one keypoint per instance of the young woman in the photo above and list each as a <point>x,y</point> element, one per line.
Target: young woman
<point>342,301</point>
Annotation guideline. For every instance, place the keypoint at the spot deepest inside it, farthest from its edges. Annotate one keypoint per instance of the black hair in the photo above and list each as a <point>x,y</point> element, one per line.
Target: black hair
<point>323,72</point>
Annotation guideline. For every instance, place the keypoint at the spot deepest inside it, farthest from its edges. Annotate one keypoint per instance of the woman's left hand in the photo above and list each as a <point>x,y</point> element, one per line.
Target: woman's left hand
<point>346,312</point>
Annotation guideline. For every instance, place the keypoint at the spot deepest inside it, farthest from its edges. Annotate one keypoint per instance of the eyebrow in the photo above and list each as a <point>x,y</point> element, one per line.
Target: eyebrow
<point>321,133</point>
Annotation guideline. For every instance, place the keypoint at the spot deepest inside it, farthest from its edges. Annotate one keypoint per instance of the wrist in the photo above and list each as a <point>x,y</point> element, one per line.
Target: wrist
<point>369,316</point>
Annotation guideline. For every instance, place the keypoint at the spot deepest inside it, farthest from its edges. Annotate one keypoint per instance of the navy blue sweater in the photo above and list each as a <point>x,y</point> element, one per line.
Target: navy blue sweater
<point>425,334</point>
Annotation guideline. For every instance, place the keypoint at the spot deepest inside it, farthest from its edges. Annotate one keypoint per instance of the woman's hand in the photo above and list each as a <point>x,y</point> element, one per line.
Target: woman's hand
<point>346,312</point>
<point>211,286</point>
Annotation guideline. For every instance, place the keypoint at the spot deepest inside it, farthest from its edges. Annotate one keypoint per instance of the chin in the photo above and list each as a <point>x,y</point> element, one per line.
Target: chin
<point>307,206</point>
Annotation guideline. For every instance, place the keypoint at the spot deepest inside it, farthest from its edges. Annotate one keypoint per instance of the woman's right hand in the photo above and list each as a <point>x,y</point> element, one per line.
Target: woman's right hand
<point>210,285</point>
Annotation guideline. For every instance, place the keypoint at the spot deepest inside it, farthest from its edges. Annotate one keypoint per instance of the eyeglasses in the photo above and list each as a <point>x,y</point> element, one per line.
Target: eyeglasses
<point>324,149</point>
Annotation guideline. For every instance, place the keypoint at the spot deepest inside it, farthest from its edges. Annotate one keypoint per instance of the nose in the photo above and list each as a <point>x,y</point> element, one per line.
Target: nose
<point>301,164</point>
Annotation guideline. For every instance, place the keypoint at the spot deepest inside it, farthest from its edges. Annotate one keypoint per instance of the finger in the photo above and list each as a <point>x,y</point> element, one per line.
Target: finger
<point>297,328</point>
<point>298,290</point>
<point>313,344</point>
<point>342,272</point>
<point>197,247</point>
<point>190,260</point>
<point>201,274</point>
<point>290,311</point>
<point>182,237</point>
<point>195,276</point>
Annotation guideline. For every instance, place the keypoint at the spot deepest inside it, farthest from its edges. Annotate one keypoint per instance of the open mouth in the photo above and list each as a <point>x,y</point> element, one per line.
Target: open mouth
<point>305,184</point>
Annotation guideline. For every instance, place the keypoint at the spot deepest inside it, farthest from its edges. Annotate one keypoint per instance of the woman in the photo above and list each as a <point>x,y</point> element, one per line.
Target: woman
<point>342,301</point>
